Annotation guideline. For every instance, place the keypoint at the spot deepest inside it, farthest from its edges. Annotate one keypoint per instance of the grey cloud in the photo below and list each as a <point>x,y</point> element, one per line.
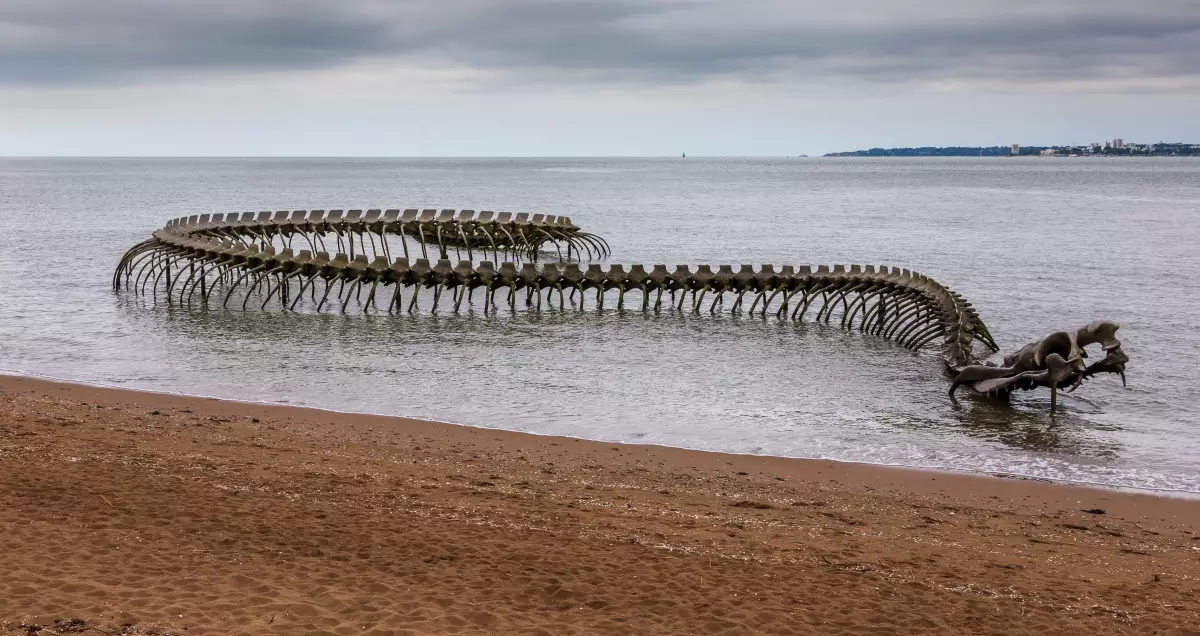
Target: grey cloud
<point>71,41</point>
<point>68,40</point>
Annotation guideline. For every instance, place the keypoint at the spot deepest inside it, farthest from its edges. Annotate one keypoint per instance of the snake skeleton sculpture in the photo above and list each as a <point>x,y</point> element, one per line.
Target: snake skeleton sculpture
<point>284,258</point>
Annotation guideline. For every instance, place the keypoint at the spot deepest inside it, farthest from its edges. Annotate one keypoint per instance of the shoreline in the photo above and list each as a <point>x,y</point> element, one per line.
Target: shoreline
<point>946,470</point>
<point>171,513</point>
<point>861,472</point>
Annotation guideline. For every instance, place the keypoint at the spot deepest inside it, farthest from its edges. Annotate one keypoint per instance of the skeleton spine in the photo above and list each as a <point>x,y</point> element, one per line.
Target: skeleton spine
<point>283,259</point>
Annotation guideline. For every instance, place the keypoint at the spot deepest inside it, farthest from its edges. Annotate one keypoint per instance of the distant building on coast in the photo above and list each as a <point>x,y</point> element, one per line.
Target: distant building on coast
<point>1016,149</point>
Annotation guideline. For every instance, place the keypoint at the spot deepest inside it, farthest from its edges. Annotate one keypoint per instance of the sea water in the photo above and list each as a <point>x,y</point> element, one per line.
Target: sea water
<point>1038,245</point>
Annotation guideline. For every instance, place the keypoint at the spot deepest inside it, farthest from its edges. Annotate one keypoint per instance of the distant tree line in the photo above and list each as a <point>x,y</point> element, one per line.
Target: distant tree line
<point>929,151</point>
<point>1151,150</point>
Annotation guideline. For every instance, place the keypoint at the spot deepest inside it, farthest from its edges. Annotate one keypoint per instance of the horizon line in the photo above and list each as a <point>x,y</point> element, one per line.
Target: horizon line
<point>431,157</point>
<point>676,156</point>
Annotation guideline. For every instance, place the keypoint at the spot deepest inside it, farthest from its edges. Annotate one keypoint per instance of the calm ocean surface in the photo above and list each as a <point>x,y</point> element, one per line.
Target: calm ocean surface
<point>1036,244</point>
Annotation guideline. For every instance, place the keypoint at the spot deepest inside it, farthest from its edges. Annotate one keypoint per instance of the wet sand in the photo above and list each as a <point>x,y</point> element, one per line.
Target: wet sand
<point>143,513</point>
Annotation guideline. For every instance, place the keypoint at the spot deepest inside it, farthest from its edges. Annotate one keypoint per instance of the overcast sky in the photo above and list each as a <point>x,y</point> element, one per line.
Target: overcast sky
<point>589,77</point>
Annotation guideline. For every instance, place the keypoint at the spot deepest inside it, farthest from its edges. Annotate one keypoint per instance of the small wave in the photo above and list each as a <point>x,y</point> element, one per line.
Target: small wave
<point>583,170</point>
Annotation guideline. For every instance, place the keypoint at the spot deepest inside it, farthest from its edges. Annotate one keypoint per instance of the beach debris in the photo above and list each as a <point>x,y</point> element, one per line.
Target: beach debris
<point>60,626</point>
<point>746,503</point>
<point>218,258</point>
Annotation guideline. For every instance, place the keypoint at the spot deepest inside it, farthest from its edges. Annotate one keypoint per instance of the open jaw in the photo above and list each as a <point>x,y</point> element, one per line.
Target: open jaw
<point>205,260</point>
<point>1055,362</point>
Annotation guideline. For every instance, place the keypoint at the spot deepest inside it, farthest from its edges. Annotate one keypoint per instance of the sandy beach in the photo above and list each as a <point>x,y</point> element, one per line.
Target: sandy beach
<point>140,513</point>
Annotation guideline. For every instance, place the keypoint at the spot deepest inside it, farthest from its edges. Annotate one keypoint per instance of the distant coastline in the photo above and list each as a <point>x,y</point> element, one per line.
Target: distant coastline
<point>1117,148</point>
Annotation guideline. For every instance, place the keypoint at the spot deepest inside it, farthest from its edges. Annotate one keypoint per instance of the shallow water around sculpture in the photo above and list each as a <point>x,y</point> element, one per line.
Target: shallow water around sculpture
<point>1036,245</point>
